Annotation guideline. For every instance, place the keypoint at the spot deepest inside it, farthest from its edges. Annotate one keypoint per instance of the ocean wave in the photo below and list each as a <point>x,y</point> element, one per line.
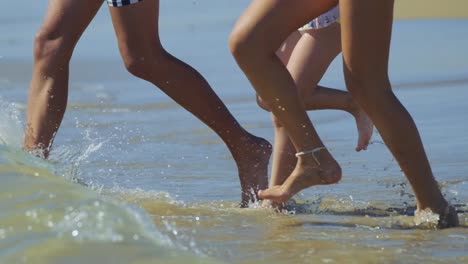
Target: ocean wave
<point>47,216</point>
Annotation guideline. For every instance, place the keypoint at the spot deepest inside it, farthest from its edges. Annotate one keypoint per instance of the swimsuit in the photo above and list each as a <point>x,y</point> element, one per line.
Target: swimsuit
<point>117,3</point>
<point>324,20</point>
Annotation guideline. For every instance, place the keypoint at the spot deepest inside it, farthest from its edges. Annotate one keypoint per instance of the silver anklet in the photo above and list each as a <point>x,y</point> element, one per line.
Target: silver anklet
<point>302,153</point>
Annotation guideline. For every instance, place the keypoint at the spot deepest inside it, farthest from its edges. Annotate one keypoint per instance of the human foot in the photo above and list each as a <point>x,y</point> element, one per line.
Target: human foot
<point>313,169</point>
<point>365,129</point>
<point>448,219</point>
<point>279,207</point>
<point>35,149</point>
<point>252,163</point>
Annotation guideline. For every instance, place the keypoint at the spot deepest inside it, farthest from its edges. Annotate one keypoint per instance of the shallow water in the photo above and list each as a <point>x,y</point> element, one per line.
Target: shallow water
<point>133,178</point>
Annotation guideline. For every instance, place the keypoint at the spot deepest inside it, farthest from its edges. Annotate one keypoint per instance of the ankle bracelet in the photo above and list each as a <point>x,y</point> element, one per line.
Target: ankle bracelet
<point>302,153</point>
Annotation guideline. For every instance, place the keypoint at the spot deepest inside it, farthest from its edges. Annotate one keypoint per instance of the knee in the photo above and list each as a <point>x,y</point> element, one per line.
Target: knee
<point>367,86</point>
<point>48,46</point>
<point>238,43</point>
<point>136,65</point>
<point>244,46</point>
<point>355,84</point>
<point>143,64</point>
<point>262,104</point>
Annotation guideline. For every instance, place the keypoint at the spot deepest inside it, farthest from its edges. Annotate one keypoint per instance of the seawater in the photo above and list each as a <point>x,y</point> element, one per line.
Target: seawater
<point>133,178</point>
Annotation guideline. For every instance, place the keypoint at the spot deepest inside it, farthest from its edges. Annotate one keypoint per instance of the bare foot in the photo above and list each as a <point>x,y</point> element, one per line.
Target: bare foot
<point>252,163</point>
<point>449,218</point>
<point>306,174</point>
<point>279,207</point>
<point>365,129</point>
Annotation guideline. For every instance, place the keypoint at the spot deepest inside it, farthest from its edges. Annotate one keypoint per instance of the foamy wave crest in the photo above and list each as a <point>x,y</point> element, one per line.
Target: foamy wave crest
<point>58,217</point>
<point>140,195</point>
<point>66,159</point>
<point>155,202</point>
<point>426,218</point>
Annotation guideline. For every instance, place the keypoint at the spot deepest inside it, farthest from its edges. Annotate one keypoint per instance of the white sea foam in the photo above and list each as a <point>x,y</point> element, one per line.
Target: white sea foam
<point>425,217</point>
<point>11,126</point>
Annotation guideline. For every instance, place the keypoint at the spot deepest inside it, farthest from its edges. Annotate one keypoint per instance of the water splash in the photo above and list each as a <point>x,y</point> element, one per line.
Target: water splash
<point>11,126</point>
<point>426,218</point>
<point>69,159</point>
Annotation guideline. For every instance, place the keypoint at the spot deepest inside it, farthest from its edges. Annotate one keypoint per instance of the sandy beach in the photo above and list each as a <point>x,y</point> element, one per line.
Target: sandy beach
<point>431,9</point>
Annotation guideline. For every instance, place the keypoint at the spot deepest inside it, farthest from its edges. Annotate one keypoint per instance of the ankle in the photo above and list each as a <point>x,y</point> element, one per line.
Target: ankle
<point>449,218</point>
<point>317,158</point>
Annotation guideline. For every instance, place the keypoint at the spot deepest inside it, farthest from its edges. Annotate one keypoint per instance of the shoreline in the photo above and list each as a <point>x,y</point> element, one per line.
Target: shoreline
<point>430,9</point>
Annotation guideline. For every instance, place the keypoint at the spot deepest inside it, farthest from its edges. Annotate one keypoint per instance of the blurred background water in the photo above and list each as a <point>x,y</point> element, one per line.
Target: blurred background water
<point>157,186</point>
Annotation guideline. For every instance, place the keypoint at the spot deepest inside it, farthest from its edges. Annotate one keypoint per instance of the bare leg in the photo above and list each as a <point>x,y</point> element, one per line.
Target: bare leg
<point>259,33</point>
<point>325,98</point>
<point>309,62</point>
<point>136,27</point>
<point>64,23</point>
<point>312,51</point>
<point>366,33</point>
<point>307,58</point>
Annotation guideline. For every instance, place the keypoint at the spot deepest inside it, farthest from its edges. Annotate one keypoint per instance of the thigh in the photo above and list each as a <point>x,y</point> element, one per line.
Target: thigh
<point>67,19</point>
<point>366,27</point>
<point>312,55</point>
<point>287,47</point>
<point>270,22</point>
<point>136,26</point>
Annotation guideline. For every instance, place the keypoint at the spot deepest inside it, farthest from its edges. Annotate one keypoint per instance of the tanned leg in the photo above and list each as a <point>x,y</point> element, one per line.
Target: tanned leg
<point>366,33</point>
<point>137,32</point>
<point>64,23</point>
<point>259,33</point>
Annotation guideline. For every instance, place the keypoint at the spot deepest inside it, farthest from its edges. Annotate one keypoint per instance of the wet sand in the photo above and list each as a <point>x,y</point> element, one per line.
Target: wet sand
<point>412,9</point>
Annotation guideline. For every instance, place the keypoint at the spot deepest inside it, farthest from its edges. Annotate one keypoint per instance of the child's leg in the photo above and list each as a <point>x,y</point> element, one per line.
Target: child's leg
<point>258,34</point>
<point>309,61</point>
<point>329,98</point>
<point>284,160</point>
<point>313,53</point>
<point>64,23</point>
<point>366,31</point>
<point>284,54</point>
<point>136,27</point>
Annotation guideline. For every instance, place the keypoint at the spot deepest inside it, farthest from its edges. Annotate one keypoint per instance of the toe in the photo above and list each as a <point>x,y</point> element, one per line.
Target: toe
<point>275,194</point>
